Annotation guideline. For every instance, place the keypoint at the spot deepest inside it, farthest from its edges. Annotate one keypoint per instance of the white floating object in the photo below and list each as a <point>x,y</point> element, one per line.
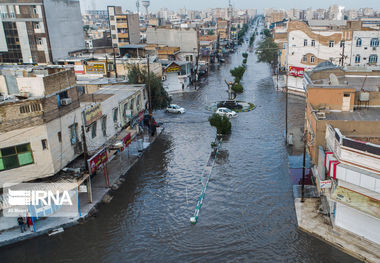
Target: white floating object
<point>56,231</point>
<point>193,220</point>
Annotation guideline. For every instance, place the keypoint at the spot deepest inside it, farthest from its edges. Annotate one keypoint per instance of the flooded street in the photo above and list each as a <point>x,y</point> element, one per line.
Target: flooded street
<point>248,214</point>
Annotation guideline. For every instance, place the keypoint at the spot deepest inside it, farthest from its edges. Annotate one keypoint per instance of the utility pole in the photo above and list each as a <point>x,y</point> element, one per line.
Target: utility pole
<point>286,107</point>
<point>85,157</point>
<point>342,59</point>
<point>149,91</point>
<point>278,66</point>
<point>198,47</point>
<point>114,62</point>
<point>303,166</point>
<point>108,72</point>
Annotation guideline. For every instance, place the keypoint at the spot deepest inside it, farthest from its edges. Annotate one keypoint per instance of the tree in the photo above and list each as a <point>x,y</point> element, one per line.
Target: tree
<point>160,98</point>
<point>245,61</point>
<point>245,55</point>
<point>221,123</point>
<point>237,87</point>
<point>210,32</point>
<point>267,32</point>
<point>267,52</point>
<point>238,73</point>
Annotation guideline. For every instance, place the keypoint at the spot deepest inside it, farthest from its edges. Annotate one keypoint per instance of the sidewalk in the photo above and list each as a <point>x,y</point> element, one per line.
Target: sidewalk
<point>314,223</point>
<point>118,166</point>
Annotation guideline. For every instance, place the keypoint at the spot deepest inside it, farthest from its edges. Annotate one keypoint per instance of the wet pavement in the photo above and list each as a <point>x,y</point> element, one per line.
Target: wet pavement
<point>248,214</point>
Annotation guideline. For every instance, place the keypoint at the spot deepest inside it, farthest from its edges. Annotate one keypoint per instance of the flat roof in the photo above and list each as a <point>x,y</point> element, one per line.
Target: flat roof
<point>94,97</point>
<point>99,81</point>
<point>371,114</point>
<point>122,91</point>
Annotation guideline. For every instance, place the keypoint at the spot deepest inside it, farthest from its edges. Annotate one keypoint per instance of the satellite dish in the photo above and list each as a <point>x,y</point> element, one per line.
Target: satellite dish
<point>333,79</point>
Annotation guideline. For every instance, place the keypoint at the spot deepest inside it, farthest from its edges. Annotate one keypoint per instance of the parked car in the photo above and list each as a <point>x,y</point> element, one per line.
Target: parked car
<point>174,108</point>
<point>226,112</point>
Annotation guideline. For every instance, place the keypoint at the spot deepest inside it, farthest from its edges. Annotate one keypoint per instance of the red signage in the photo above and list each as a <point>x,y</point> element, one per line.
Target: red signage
<point>97,160</point>
<point>127,140</point>
<point>296,71</point>
<point>141,115</point>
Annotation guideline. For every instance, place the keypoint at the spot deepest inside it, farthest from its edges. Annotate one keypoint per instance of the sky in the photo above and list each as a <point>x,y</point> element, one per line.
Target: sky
<point>242,4</point>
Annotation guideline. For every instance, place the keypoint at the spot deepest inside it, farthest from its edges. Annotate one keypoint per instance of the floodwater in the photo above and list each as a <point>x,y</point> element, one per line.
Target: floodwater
<point>248,213</point>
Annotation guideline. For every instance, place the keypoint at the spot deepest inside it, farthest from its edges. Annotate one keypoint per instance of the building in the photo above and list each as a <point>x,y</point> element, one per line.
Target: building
<point>348,175</point>
<point>365,49</point>
<point>37,31</point>
<point>347,99</point>
<point>176,75</point>
<point>40,122</point>
<point>109,110</point>
<point>125,28</point>
<point>184,38</point>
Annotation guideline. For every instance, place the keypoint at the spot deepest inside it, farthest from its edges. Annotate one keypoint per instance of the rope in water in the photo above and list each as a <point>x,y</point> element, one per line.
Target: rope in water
<point>208,170</point>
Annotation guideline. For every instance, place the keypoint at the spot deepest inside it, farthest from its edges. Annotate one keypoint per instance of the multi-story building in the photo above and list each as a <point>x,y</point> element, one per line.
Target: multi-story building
<point>347,99</point>
<point>125,27</point>
<point>365,49</point>
<point>110,109</point>
<point>37,31</point>
<point>184,38</point>
<point>350,164</point>
<point>40,122</point>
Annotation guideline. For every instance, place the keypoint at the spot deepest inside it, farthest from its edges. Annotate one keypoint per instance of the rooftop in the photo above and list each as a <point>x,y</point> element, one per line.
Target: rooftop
<point>121,91</point>
<point>371,114</point>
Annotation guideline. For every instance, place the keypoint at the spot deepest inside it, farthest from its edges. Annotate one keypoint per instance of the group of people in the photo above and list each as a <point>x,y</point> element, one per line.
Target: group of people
<point>25,222</point>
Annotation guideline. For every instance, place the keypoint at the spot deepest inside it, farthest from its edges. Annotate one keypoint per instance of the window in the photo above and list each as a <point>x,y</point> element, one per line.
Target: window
<point>304,58</point>
<point>372,59</point>
<point>113,27</point>
<point>59,134</point>
<point>24,109</point>
<point>35,107</point>
<point>44,144</point>
<point>15,156</point>
<point>39,41</point>
<point>104,126</point>
<point>312,59</point>
<point>138,100</point>
<point>305,42</point>
<point>374,42</point>
<point>283,45</point>
<point>115,111</point>
<point>132,106</point>
<point>357,59</point>
<point>359,42</point>
<point>93,130</point>
<point>342,43</point>
<point>313,43</point>
<point>74,133</point>
<point>36,25</point>
<point>80,90</point>
<point>331,43</point>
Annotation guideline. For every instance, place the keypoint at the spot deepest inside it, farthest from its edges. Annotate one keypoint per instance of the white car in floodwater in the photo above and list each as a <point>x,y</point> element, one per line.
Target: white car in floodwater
<point>226,112</point>
<point>174,108</point>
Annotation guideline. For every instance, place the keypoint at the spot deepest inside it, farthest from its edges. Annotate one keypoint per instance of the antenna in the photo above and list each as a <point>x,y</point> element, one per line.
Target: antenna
<point>138,6</point>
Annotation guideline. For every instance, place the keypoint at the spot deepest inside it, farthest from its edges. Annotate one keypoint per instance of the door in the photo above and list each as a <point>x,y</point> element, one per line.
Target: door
<point>346,102</point>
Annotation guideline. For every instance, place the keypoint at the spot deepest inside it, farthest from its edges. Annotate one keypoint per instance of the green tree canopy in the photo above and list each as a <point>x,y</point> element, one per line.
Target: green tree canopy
<point>268,52</point>
<point>160,98</point>
<point>221,123</point>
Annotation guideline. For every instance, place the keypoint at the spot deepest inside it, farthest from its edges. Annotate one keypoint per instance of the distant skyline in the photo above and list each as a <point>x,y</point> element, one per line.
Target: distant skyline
<point>155,5</point>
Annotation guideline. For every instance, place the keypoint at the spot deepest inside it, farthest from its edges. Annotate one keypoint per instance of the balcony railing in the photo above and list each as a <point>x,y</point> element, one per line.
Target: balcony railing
<point>364,155</point>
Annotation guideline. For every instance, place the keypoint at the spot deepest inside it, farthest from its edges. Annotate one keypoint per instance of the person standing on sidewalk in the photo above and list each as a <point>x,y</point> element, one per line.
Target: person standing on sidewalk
<point>21,223</point>
<point>29,222</point>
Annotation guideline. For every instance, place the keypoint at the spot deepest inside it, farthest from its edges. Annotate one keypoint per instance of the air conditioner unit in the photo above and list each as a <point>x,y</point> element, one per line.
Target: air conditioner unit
<point>321,115</point>
<point>66,101</point>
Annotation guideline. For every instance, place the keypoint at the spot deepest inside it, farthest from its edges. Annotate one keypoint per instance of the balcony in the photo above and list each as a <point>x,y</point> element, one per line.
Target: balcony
<point>123,35</point>
<point>122,25</point>
<point>363,155</point>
